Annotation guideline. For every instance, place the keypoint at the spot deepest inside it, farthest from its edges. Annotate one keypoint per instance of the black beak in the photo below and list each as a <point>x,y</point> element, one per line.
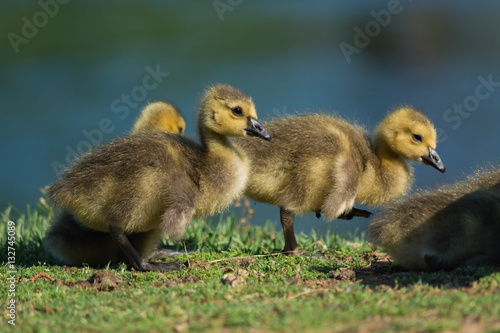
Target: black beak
<point>256,129</point>
<point>433,160</point>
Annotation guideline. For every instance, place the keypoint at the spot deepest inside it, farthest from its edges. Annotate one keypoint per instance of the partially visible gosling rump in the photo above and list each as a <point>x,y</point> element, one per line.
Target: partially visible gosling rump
<point>138,187</point>
<point>442,229</point>
<point>324,164</point>
<point>160,117</point>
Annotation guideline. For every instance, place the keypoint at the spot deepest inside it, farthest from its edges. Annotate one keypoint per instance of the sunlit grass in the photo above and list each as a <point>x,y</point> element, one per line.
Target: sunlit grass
<point>279,293</point>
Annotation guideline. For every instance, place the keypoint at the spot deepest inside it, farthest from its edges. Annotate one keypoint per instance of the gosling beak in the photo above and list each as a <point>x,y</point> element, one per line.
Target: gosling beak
<point>256,129</point>
<point>433,160</point>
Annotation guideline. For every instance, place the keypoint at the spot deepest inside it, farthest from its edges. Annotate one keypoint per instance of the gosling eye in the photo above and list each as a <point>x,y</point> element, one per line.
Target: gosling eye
<point>237,111</point>
<point>180,130</point>
<point>417,137</point>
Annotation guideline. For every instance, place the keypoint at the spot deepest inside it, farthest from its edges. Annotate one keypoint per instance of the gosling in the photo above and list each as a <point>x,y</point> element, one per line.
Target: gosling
<point>324,164</point>
<point>456,225</point>
<point>157,116</point>
<point>160,117</point>
<point>141,186</point>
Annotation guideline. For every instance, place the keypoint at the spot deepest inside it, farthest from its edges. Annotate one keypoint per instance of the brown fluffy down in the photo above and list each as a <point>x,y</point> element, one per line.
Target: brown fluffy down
<point>323,163</point>
<point>445,228</point>
<point>151,183</point>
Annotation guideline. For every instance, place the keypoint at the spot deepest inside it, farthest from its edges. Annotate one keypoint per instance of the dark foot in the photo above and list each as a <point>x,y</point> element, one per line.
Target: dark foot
<point>355,212</point>
<point>136,260</point>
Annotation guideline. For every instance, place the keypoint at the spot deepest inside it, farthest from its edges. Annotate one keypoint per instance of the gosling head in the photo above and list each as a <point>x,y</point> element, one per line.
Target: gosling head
<point>410,134</point>
<point>227,111</point>
<point>161,117</point>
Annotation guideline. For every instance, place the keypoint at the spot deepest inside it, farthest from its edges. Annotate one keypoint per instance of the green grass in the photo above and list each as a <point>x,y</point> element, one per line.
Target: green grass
<point>350,287</point>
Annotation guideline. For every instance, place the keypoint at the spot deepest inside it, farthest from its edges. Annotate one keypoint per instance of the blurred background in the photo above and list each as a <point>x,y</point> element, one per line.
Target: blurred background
<point>65,68</point>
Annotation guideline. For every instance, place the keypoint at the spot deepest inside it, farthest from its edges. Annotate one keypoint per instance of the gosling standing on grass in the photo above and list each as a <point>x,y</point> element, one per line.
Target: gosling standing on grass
<point>141,186</point>
<point>324,164</point>
<point>156,116</point>
<point>456,225</point>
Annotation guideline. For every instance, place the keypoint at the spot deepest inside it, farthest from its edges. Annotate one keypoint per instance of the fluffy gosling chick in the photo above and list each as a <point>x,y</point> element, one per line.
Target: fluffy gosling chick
<point>324,164</point>
<point>160,117</point>
<point>456,225</point>
<point>141,186</point>
<point>157,116</point>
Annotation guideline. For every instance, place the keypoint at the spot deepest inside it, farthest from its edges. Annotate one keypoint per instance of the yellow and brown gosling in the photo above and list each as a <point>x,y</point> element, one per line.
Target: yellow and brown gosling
<point>157,116</point>
<point>325,164</point>
<point>456,225</point>
<point>160,117</point>
<point>141,186</point>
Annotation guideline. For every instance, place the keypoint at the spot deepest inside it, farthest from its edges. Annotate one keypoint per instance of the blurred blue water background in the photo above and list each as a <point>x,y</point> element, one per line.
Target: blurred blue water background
<point>65,66</point>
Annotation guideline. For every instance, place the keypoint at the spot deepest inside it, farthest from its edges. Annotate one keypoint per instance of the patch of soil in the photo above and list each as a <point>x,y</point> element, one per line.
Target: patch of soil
<point>186,279</point>
<point>69,269</point>
<point>380,272</point>
<point>101,280</point>
<point>323,283</point>
<point>244,262</point>
<point>377,256</point>
<point>234,280</point>
<point>343,274</point>
<point>198,264</point>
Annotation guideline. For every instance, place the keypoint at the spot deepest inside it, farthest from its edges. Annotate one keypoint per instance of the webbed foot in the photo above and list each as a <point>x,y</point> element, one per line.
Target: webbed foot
<point>355,212</point>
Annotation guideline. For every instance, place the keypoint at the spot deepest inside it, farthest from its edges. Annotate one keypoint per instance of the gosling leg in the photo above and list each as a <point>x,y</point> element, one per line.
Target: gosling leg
<point>287,218</point>
<point>135,259</point>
